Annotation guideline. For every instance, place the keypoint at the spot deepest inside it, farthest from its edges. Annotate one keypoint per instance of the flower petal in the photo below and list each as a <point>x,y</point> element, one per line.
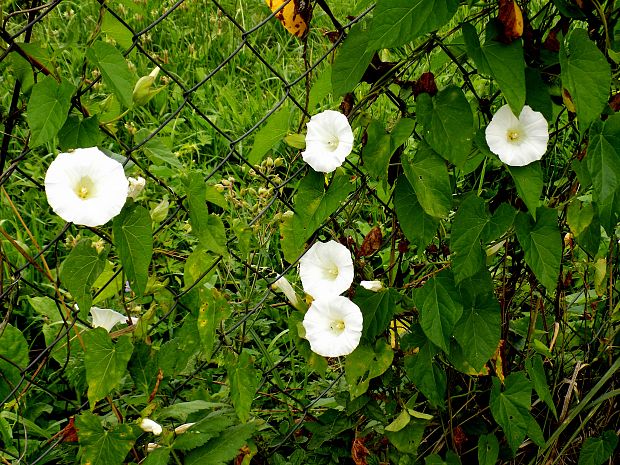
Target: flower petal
<point>325,314</point>
<point>329,140</point>
<point>326,269</point>
<point>106,318</point>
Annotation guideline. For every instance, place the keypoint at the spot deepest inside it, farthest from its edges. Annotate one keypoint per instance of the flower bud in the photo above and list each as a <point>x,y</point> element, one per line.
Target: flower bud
<point>150,426</point>
<point>136,186</point>
<point>160,211</point>
<point>284,286</point>
<point>374,286</point>
<point>184,427</point>
<point>143,90</point>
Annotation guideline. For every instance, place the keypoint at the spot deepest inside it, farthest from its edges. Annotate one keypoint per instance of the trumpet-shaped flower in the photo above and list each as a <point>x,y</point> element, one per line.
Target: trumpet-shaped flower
<point>333,326</point>
<point>106,318</point>
<point>151,426</point>
<point>326,269</point>
<point>86,187</point>
<point>136,186</point>
<point>518,141</point>
<point>329,141</point>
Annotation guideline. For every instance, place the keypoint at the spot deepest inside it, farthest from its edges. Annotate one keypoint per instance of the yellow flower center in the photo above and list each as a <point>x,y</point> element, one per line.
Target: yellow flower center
<point>337,326</point>
<point>85,188</point>
<point>513,135</point>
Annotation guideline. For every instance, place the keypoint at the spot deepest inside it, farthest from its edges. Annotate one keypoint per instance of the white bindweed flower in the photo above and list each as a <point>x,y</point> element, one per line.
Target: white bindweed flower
<point>106,318</point>
<point>284,286</point>
<point>329,141</point>
<point>151,426</point>
<point>374,286</point>
<point>136,185</point>
<point>326,269</point>
<point>333,326</point>
<point>518,142</point>
<point>86,187</point>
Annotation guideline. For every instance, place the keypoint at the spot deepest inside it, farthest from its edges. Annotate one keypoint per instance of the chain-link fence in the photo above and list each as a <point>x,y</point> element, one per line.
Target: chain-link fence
<point>236,63</point>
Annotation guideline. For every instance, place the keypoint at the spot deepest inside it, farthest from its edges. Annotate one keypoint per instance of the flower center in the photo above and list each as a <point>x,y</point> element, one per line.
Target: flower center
<point>337,326</point>
<point>513,135</point>
<point>331,272</point>
<point>85,188</point>
<point>332,143</point>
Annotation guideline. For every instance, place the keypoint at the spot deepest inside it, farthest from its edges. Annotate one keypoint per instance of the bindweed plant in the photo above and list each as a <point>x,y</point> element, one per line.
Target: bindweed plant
<point>295,232</point>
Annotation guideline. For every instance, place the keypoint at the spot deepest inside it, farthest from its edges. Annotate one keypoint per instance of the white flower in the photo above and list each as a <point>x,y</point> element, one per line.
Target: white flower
<point>150,426</point>
<point>136,185</point>
<point>86,187</point>
<point>284,286</point>
<point>374,286</point>
<point>333,326</point>
<point>326,269</point>
<point>518,142</point>
<point>329,141</point>
<point>106,318</point>
<point>151,446</point>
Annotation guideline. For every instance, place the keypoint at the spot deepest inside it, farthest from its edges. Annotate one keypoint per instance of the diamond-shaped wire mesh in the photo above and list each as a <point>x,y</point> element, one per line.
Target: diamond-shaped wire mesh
<point>236,64</point>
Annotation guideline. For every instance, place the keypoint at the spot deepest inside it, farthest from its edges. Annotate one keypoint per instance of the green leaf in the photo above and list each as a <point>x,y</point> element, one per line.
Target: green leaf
<point>80,270</point>
<point>438,302</point>
<point>156,150</point>
<point>6,433</point>
<point>274,130</point>
<point>478,330</point>
<point>542,245</point>
<point>78,132</point>
<point>510,407</point>
<point>105,362</point>
<point>603,162</point>
<point>448,123</point>
<point>488,449</point>
<point>48,108</point>
<point>313,205</point>
<point>534,431</point>
<point>408,439</point>
<point>507,67</point>
<point>13,348</point>
<point>133,239</point>
<point>352,60</point>
<point>500,222</point>
<point>182,410</point>
<point>376,153</point>
<point>214,309</point>
<point>474,49</point>
<point>377,309</point>
<point>161,455</point>
<point>222,449</point>
<point>419,227</point>
<point>321,87</point>
<point>470,222</point>
<point>586,75</point>
<point>397,22</point>
<point>203,431</point>
<point>529,182</point>
<point>598,450</point>
<point>401,421</point>
<point>243,379</point>
<point>207,227</point>
<point>430,379</point>
<point>583,221</point>
<point>99,446</point>
<point>536,371</point>
<point>537,95</point>
<point>114,70</point>
<point>366,363</point>
<point>381,146</point>
<point>428,175</point>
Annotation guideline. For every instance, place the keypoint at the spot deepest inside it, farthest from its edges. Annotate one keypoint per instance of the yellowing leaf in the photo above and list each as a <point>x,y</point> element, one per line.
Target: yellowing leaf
<point>295,16</point>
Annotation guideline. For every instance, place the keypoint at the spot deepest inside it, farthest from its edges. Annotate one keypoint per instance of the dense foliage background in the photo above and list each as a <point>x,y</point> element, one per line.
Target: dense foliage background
<point>495,338</point>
